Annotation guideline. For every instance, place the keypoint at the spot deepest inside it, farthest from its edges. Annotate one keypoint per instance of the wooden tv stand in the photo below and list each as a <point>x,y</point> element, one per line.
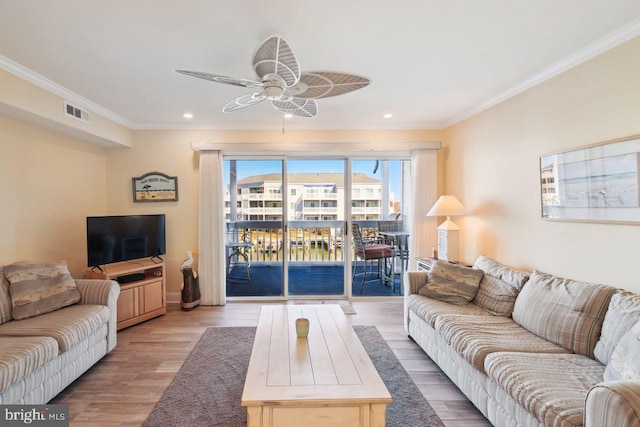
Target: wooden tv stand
<point>141,299</point>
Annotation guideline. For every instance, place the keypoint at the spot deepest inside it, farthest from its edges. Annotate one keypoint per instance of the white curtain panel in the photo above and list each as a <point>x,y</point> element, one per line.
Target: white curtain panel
<point>423,193</point>
<point>211,260</point>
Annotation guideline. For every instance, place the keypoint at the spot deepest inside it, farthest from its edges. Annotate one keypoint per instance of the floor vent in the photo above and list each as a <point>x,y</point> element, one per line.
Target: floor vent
<point>76,112</point>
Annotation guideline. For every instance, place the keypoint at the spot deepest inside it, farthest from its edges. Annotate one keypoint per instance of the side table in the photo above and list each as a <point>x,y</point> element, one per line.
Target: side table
<point>425,264</point>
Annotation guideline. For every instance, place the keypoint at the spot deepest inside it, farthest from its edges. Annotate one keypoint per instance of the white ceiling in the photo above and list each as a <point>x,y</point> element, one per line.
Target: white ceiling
<point>432,62</point>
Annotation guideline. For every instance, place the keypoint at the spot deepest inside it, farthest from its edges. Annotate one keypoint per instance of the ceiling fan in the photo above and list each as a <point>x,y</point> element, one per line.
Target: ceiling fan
<point>281,81</point>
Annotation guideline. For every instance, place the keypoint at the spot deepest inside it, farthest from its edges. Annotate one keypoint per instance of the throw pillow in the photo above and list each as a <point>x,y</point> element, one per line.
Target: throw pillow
<point>496,296</point>
<point>625,363</point>
<point>496,269</point>
<point>40,288</point>
<point>499,287</point>
<point>623,312</point>
<point>452,283</point>
<point>5,296</point>
<point>5,300</point>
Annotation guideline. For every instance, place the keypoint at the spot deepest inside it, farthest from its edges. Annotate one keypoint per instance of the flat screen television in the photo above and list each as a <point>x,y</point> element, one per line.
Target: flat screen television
<point>124,237</point>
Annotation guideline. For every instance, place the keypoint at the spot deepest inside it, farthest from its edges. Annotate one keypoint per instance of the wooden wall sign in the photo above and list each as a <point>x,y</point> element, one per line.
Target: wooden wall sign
<point>155,187</point>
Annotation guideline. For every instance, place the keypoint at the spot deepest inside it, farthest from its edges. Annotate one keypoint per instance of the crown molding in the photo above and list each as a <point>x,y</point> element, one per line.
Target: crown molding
<point>288,126</point>
<point>52,87</point>
<point>588,52</point>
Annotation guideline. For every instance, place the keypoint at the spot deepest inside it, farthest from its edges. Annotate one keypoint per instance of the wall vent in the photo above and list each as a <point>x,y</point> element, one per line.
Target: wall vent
<point>76,112</point>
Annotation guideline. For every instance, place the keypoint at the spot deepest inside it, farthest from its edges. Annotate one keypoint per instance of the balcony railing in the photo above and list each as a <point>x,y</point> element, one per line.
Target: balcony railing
<point>320,209</point>
<point>365,209</point>
<point>261,196</point>
<point>261,209</point>
<point>308,241</point>
<point>320,196</point>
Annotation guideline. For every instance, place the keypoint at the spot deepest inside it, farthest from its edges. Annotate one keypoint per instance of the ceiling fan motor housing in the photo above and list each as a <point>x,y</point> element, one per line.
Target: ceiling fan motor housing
<point>273,92</point>
<point>274,86</point>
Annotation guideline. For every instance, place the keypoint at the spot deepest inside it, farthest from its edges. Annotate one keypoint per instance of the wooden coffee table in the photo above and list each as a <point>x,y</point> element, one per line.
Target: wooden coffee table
<point>324,380</point>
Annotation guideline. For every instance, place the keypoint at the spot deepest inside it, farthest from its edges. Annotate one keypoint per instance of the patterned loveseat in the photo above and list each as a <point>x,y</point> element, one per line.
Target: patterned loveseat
<point>41,354</point>
<point>530,350</point>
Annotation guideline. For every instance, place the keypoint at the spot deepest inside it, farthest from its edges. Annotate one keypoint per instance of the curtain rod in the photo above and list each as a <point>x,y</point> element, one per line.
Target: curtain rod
<point>326,148</point>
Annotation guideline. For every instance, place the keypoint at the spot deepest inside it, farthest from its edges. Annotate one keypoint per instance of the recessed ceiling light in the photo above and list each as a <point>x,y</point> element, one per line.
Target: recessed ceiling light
<point>187,116</point>
<point>288,116</point>
<point>388,116</point>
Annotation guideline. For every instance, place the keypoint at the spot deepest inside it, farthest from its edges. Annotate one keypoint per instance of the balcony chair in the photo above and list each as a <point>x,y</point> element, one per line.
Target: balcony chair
<point>367,252</point>
<point>237,248</point>
<point>389,226</point>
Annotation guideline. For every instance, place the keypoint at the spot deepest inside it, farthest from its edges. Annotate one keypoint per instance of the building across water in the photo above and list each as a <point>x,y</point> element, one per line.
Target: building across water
<point>311,197</point>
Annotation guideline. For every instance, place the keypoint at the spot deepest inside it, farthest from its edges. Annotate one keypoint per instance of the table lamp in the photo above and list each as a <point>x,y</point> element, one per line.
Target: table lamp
<point>448,231</point>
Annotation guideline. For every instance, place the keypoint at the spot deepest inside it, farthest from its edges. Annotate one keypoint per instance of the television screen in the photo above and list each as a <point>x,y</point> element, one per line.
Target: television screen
<point>125,237</point>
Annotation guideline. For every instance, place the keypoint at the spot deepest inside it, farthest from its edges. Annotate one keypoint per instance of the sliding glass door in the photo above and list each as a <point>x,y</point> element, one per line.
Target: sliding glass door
<point>377,205</point>
<point>254,239</point>
<point>287,220</point>
<point>316,220</point>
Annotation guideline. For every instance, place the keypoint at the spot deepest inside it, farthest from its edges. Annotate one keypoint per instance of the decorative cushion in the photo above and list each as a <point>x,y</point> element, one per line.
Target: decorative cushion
<point>625,363</point>
<point>5,300</point>
<point>40,288</point>
<point>452,283</point>
<point>499,287</point>
<point>496,269</point>
<point>623,312</point>
<point>375,251</point>
<point>5,296</point>
<point>566,312</point>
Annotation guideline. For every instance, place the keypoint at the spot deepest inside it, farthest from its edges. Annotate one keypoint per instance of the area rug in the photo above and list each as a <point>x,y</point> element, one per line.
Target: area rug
<point>207,389</point>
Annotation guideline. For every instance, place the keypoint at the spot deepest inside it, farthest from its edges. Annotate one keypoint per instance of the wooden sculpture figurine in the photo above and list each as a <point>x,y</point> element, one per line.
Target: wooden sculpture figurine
<point>190,286</point>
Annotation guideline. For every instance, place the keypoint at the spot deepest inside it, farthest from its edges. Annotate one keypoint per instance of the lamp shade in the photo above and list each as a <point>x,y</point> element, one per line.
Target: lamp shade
<point>447,206</point>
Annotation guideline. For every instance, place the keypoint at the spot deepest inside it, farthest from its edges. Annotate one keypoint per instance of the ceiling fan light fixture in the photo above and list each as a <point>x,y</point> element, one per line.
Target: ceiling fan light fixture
<point>188,115</point>
<point>388,116</point>
<point>288,115</point>
<point>273,92</point>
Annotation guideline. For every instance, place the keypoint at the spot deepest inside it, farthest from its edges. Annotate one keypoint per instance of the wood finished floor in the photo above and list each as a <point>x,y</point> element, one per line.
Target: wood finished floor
<point>125,385</point>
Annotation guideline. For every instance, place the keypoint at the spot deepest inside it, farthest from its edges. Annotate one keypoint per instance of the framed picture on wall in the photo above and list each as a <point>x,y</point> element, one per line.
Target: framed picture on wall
<point>155,187</point>
<point>596,183</point>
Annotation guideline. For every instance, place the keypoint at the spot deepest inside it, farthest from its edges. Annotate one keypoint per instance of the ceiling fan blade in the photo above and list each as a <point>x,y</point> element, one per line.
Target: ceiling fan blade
<point>222,79</point>
<point>323,84</point>
<point>244,101</point>
<point>298,107</point>
<point>275,56</point>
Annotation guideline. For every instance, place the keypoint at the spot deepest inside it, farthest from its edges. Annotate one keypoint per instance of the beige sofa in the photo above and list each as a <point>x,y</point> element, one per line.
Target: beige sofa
<point>43,354</point>
<point>532,350</point>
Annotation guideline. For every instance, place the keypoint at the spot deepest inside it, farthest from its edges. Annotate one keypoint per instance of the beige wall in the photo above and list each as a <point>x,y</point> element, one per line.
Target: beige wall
<point>491,163</point>
<point>50,184</point>
<point>170,152</point>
